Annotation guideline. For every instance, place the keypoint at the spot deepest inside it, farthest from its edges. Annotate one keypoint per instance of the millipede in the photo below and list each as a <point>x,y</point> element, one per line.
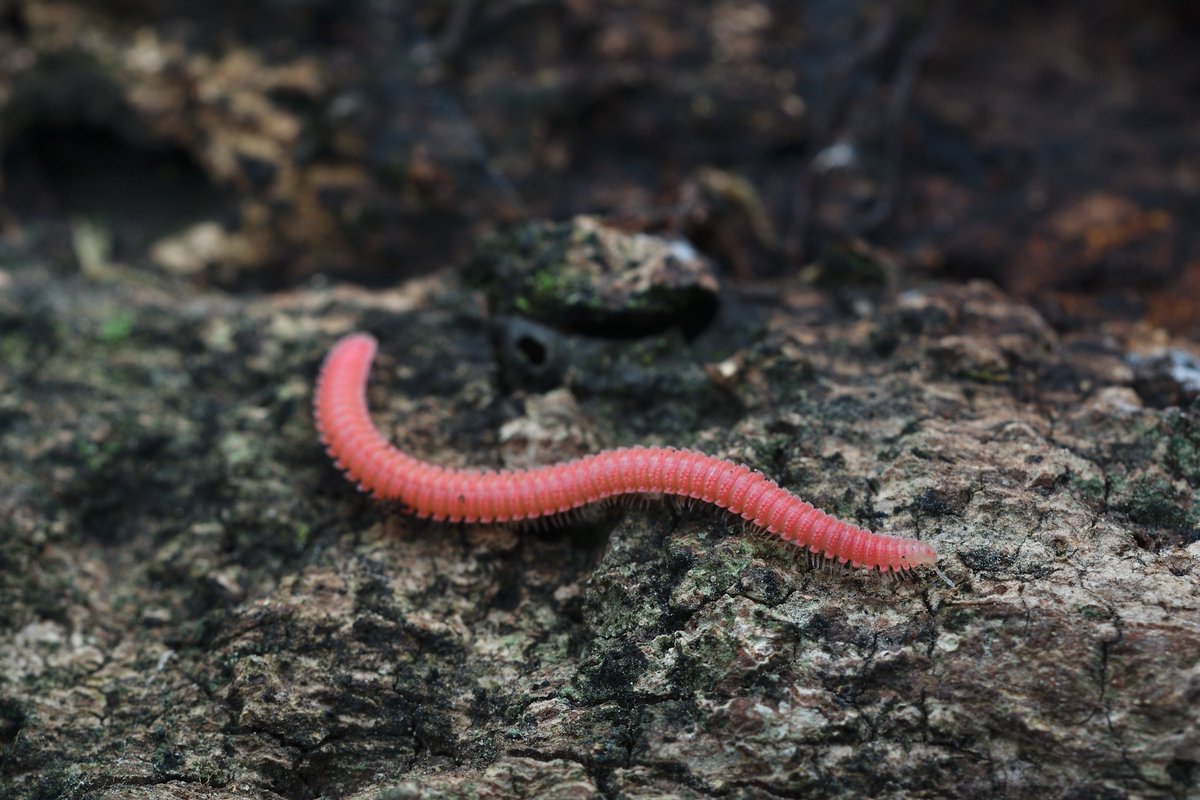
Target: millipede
<point>447,494</point>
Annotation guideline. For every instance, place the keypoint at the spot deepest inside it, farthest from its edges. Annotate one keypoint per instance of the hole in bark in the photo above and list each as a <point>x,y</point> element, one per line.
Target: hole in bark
<point>534,350</point>
<point>530,354</point>
<point>62,171</point>
<point>74,149</point>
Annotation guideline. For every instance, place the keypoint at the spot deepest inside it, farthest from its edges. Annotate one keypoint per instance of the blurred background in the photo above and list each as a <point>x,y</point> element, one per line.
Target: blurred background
<point>1050,147</point>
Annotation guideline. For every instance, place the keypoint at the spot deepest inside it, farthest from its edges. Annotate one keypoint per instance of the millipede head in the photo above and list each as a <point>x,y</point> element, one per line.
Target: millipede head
<point>922,554</point>
<point>919,554</point>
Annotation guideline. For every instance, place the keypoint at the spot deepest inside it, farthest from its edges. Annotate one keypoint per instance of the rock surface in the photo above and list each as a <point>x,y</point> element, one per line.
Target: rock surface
<point>590,277</point>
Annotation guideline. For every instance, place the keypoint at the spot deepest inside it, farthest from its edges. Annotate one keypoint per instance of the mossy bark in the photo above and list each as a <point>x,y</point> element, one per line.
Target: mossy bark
<point>198,605</point>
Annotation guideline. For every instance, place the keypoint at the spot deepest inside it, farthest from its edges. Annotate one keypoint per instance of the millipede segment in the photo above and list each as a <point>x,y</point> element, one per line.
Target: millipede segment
<point>472,495</point>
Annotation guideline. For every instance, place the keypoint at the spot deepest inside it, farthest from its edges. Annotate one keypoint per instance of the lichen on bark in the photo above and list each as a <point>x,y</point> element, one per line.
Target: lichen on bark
<point>198,604</point>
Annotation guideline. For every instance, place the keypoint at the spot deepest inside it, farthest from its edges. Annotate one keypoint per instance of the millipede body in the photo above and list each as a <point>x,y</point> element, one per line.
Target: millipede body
<point>475,495</point>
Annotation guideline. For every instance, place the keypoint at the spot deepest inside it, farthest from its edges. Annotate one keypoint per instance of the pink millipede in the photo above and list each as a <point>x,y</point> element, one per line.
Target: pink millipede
<point>474,495</point>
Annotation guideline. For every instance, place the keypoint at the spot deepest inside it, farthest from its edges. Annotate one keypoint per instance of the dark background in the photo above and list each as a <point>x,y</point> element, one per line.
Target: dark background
<point>1049,147</point>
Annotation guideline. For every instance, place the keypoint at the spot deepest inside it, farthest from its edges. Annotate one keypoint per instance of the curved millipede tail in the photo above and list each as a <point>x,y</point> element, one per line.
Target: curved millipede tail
<point>471,495</point>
